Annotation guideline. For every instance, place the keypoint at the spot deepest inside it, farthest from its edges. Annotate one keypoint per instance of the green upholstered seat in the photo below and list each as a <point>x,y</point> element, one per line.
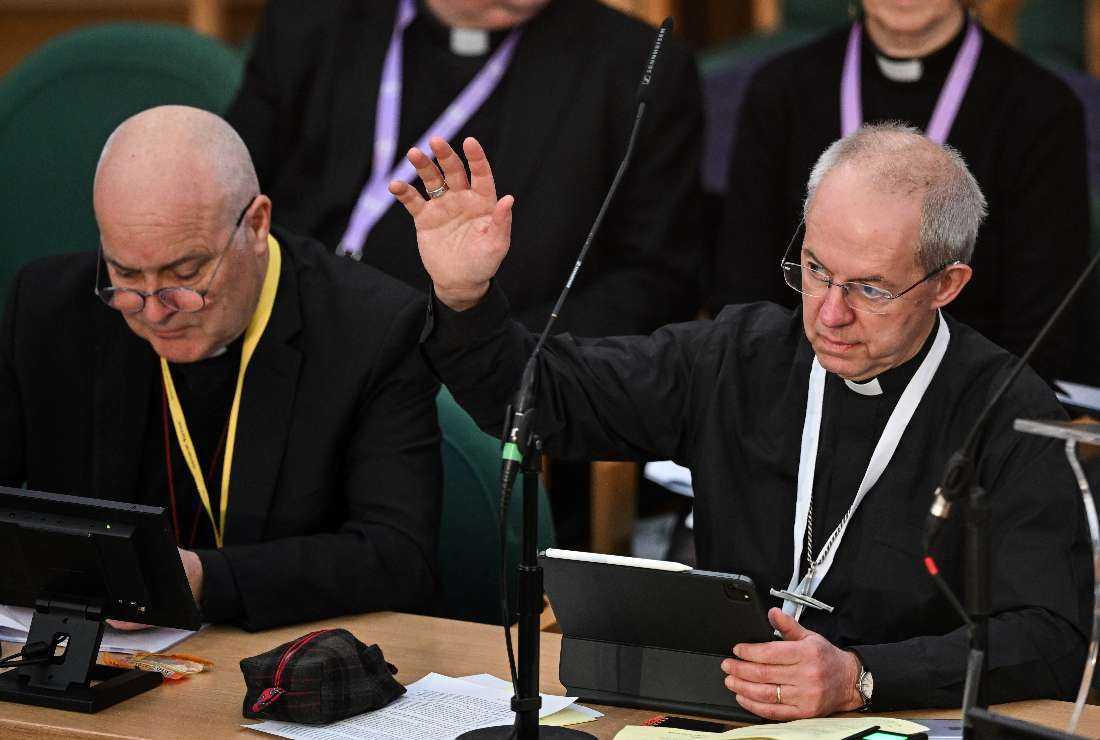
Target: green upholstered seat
<point>816,15</point>
<point>1052,32</point>
<point>60,104</point>
<point>802,21</point>
<point>469,547</point>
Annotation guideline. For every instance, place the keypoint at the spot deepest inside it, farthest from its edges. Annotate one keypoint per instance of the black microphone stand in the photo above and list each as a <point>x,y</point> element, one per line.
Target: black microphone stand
<point>523,446</point>
<point>958,480</point>
<point>522,449</point>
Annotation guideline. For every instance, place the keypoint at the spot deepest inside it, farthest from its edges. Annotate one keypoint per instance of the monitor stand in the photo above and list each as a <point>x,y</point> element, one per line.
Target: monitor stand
<point>65,682</point>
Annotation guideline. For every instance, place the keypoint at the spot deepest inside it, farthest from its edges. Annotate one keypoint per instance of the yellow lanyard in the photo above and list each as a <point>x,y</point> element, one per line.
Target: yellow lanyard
<point>251,338</point>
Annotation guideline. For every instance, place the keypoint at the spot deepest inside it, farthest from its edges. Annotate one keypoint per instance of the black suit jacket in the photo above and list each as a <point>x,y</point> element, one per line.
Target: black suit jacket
<point>336,477</point>
<point>565,107</point>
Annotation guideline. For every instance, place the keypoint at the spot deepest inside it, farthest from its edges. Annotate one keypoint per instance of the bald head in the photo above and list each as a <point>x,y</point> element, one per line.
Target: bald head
<point>178,205</point>
<point>898,160</point>
<point>174,161</point>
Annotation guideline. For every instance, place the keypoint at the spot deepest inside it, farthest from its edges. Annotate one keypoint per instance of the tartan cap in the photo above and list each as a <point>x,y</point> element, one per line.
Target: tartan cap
<point>318,678</point>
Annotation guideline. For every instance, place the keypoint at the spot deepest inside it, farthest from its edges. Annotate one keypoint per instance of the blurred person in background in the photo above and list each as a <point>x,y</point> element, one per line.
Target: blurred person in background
<point>336,93</point>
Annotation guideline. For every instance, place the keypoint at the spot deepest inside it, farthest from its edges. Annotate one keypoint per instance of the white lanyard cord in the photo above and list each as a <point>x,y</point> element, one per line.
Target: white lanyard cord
<point>880,458</point>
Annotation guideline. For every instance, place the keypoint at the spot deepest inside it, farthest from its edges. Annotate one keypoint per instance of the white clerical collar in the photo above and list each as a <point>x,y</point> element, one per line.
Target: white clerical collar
<point>469,42</point>
<point>900,70</point>
<point>799,594</point>
<point>867,388</point>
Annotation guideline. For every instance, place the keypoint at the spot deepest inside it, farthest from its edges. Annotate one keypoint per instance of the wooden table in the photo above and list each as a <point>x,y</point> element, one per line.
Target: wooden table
<point>208,706</point>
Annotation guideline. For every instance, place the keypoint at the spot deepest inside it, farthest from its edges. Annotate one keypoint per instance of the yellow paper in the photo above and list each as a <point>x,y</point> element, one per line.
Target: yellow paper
<point>567,716</point>
<point>662,733</point>
<point>900,726</point>
<point>827,728</point>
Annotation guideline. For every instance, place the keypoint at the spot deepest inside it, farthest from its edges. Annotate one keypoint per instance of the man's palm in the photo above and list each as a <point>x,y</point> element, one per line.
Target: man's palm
<point>463,235</point>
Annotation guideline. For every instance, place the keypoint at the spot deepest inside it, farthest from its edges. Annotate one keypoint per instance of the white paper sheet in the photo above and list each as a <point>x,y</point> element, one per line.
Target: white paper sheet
<point>1079,395</point>
<point>581,713</point>
<point>15,622</point>
<point>675,478</point>
<point>434,708</point>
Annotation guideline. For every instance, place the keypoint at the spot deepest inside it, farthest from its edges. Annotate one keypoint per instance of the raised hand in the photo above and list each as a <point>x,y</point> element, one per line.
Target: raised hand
<point>464,233</point>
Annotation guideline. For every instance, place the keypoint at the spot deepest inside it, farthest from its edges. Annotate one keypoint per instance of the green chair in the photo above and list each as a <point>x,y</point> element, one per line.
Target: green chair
<point>802,21</point>
<point>60,104</point>
<point>1052,32</point>
<point>469,548</point>
<point>726,70</point>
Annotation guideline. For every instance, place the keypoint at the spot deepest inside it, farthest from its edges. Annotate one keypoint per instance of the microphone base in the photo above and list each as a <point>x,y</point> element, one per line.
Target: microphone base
<point>507,732</point>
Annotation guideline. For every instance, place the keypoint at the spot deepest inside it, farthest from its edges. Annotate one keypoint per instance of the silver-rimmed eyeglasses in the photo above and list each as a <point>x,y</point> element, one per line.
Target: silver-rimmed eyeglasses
<point>812,279</point>
<point>173,297</point>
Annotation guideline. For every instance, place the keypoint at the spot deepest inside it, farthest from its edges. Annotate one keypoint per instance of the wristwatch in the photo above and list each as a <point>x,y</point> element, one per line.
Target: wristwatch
<point>865,685</point>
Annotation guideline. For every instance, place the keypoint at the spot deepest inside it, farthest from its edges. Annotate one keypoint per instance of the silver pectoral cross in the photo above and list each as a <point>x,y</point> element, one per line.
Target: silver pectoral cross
<point>801,596</point>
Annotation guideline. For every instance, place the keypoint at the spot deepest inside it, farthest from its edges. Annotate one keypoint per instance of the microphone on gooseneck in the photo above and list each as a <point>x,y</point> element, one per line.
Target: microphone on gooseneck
<point>517,427</point>
<point>645,87</point>
<point>959,473</point>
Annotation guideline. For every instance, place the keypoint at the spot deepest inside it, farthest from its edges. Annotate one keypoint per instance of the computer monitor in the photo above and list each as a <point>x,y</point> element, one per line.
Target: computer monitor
<point>77,562</point>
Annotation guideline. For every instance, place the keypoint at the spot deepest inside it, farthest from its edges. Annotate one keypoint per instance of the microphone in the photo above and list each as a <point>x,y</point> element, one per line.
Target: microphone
<point>519,451</point>
<point>960,469</point>
<point>519,418</point>
<point>645,87</point>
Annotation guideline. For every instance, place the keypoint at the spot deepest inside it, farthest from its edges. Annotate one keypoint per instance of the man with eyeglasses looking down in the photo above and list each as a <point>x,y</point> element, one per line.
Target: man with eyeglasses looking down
<point>196,340</point>
<point>815,436</point>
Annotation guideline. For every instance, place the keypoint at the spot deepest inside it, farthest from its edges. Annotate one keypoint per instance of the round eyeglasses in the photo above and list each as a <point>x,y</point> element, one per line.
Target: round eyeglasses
<point>174,297</point>
<point>811,279</point>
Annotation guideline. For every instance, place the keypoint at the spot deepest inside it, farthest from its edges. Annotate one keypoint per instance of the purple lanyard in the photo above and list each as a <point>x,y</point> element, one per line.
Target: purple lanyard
<point>375,198</point>
<point>947,106</point>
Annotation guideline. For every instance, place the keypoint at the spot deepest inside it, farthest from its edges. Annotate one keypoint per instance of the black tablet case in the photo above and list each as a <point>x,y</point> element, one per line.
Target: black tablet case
<point>652,639</point>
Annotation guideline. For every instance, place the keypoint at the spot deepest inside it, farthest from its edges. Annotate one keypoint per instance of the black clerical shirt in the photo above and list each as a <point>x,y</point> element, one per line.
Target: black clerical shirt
<point>728,398</point>
<point>851,424</point>
<point>205,389</point>
<point>1020,130</point>
<point>885,98</point>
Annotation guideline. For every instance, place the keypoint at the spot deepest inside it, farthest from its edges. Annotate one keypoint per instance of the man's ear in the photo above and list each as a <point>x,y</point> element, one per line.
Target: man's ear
<point>950,283</point>
<point>258,223</point>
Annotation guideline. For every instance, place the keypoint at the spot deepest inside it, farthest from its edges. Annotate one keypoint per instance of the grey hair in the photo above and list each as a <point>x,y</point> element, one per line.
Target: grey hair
<point>205,137</point>
<point>901,160</point>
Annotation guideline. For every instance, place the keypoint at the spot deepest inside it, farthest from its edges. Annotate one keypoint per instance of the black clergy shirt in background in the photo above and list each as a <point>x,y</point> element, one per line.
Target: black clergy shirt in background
<point>1020,130</point>
<point>433,77</point>
<point>555,130</point>
<point>727,398</point>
